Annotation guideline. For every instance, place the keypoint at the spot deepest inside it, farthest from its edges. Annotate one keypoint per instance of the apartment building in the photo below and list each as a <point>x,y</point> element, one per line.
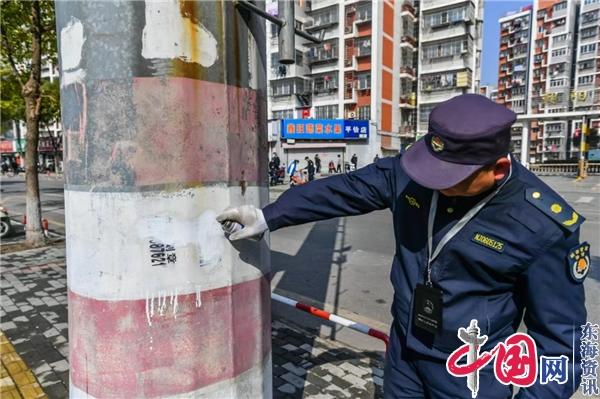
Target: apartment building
<point>513,67</point>
<point>551,69</point>
<point>450,42</point>
<point>354,93</point>
<point>586,94</point>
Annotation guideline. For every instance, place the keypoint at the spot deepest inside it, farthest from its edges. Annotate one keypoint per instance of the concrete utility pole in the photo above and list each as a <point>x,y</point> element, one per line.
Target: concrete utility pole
<point>164,120</point>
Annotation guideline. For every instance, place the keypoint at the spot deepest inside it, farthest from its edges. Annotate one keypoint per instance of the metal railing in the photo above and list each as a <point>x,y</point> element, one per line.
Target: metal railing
<point>563,169</point>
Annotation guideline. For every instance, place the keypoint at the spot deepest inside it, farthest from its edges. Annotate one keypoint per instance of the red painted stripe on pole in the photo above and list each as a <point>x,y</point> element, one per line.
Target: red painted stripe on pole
<point>115,352</point>
<point>207,118</point>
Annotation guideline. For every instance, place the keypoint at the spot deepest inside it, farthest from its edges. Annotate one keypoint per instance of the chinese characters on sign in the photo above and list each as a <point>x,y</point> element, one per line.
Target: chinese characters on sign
<point>325,129</point>
<point>589,359</point>
<point>555,98</point>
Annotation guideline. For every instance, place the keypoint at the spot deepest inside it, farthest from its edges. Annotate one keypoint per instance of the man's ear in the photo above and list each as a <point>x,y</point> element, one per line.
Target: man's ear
<point>501,168</point>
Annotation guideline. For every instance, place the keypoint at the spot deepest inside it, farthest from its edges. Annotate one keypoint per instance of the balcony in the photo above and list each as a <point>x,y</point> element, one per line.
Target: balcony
<point>406,39</point>
<point>408,101</point>
<point>407,72</point>
<point>408,10</point>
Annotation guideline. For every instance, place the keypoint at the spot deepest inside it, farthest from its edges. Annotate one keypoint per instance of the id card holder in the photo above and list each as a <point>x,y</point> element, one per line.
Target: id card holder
<point>427,308</point>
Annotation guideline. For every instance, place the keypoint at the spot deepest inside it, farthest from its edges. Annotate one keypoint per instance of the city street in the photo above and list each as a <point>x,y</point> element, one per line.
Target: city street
<point>52,195</point>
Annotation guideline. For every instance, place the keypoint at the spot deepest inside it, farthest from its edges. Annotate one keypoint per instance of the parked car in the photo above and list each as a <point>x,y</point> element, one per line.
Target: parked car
<point>5,225</point>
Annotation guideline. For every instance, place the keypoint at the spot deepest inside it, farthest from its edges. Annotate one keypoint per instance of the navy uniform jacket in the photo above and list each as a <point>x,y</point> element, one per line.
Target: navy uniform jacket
<point>510,259</point>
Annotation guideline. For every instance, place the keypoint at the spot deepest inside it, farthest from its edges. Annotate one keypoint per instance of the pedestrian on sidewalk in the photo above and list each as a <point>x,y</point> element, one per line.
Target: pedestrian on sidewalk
<point>354,161</point>
<point>311,170</point>
<point>317,163</point>
<point>480,242</point>
<point>376,158</point>
<point>292,169</point>
<point>339,164</point>
<point>331,167</point>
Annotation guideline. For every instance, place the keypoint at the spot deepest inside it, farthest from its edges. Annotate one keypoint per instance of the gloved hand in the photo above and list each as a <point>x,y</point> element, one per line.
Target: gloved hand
<point>244,221</point>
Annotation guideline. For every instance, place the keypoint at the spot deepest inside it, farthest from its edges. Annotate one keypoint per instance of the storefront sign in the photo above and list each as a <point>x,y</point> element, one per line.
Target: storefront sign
<point>324,129</point>
<point>6,146</point>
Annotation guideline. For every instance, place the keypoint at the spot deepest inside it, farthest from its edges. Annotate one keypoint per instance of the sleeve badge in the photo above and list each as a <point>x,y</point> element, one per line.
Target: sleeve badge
<point>579,261</point>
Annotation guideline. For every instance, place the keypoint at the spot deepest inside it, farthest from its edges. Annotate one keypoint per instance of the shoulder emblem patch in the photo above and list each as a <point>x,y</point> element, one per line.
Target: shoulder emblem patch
<point>579,261</point>
<point>555,207</point>
<point>489,242</point>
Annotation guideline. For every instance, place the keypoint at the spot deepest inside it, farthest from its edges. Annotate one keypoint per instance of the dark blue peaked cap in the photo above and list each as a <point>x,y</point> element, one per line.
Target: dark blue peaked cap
<point>465,133</point>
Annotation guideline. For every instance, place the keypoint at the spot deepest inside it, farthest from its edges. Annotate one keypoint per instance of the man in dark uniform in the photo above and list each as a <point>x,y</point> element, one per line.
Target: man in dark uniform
<point>476,233</point>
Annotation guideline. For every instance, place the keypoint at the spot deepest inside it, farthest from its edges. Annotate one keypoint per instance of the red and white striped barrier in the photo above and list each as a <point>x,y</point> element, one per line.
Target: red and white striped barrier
<point>354,325</point>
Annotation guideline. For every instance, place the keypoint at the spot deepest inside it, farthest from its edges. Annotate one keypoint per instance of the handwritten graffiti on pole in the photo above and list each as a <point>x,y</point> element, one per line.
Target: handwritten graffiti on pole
<point>161,254</point>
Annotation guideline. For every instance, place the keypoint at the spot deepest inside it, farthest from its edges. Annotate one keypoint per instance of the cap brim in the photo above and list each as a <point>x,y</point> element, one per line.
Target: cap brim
<point>432,172</point>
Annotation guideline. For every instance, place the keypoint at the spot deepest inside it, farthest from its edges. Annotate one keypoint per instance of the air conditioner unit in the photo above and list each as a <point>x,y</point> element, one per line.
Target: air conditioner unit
<point>351,115</point>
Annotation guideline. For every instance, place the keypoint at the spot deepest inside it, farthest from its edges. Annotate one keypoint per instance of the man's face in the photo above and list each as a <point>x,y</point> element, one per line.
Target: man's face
<point>480,181</point>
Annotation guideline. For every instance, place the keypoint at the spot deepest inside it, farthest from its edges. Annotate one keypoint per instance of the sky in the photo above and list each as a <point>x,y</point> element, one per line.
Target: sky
<point>492,11</point>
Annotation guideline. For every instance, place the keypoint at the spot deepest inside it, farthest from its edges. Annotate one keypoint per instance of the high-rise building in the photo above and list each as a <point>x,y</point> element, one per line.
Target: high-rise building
<point>553,62</point>
<point>586,95</point>
<point>363,73</point>
<point>450,42</point>
<point>513,66</point>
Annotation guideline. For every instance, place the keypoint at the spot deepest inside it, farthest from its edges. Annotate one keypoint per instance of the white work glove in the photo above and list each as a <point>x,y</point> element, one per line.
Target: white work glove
<point>244,221</point>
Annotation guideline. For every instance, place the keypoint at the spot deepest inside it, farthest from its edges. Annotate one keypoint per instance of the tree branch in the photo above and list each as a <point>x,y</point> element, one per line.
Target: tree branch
<point>10,57</point>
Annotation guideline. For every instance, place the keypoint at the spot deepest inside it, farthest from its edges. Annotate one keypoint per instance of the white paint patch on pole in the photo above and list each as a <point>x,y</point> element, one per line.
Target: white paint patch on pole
<point>71,39</point>
<point>140,250</point>
<point>166,35</point>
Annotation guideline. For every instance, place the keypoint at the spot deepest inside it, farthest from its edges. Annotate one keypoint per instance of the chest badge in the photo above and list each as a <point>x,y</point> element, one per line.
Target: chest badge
<point>412,201</point>
<point>488,242</point>
<point>579,261</point>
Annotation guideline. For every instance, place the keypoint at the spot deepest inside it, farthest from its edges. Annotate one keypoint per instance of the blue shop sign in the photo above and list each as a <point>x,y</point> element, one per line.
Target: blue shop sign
<point>324,129</point>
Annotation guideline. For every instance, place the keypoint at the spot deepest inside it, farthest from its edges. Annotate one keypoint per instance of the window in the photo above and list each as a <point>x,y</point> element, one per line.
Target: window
<point>326,83</point>
<point>324,52</point>
<point>445,49</point>
<point>439,81</point>
<point>588,32</point>
<point>558,82</point>
<point>518,91</point>
<point>558,52</point>
<point>445,17</point>
<point>590,16</point>
<point>326,112</point>
<point>363,13</point>
<point>363,81</point>
<point>286,87</point>
<point>587,48</point>
<point>559,39</point>
<point>283,114</point>
<point>325,17</point>
<point>560,6</point>
<point>424,112</point>
<point>589,64</point>
<point>282,87</point>
<point>363,46</point>
<point>557,69</point>
<point>585,80</point>
<point>364,113</point>
<point>518,103</point>
<point>588,2</point>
